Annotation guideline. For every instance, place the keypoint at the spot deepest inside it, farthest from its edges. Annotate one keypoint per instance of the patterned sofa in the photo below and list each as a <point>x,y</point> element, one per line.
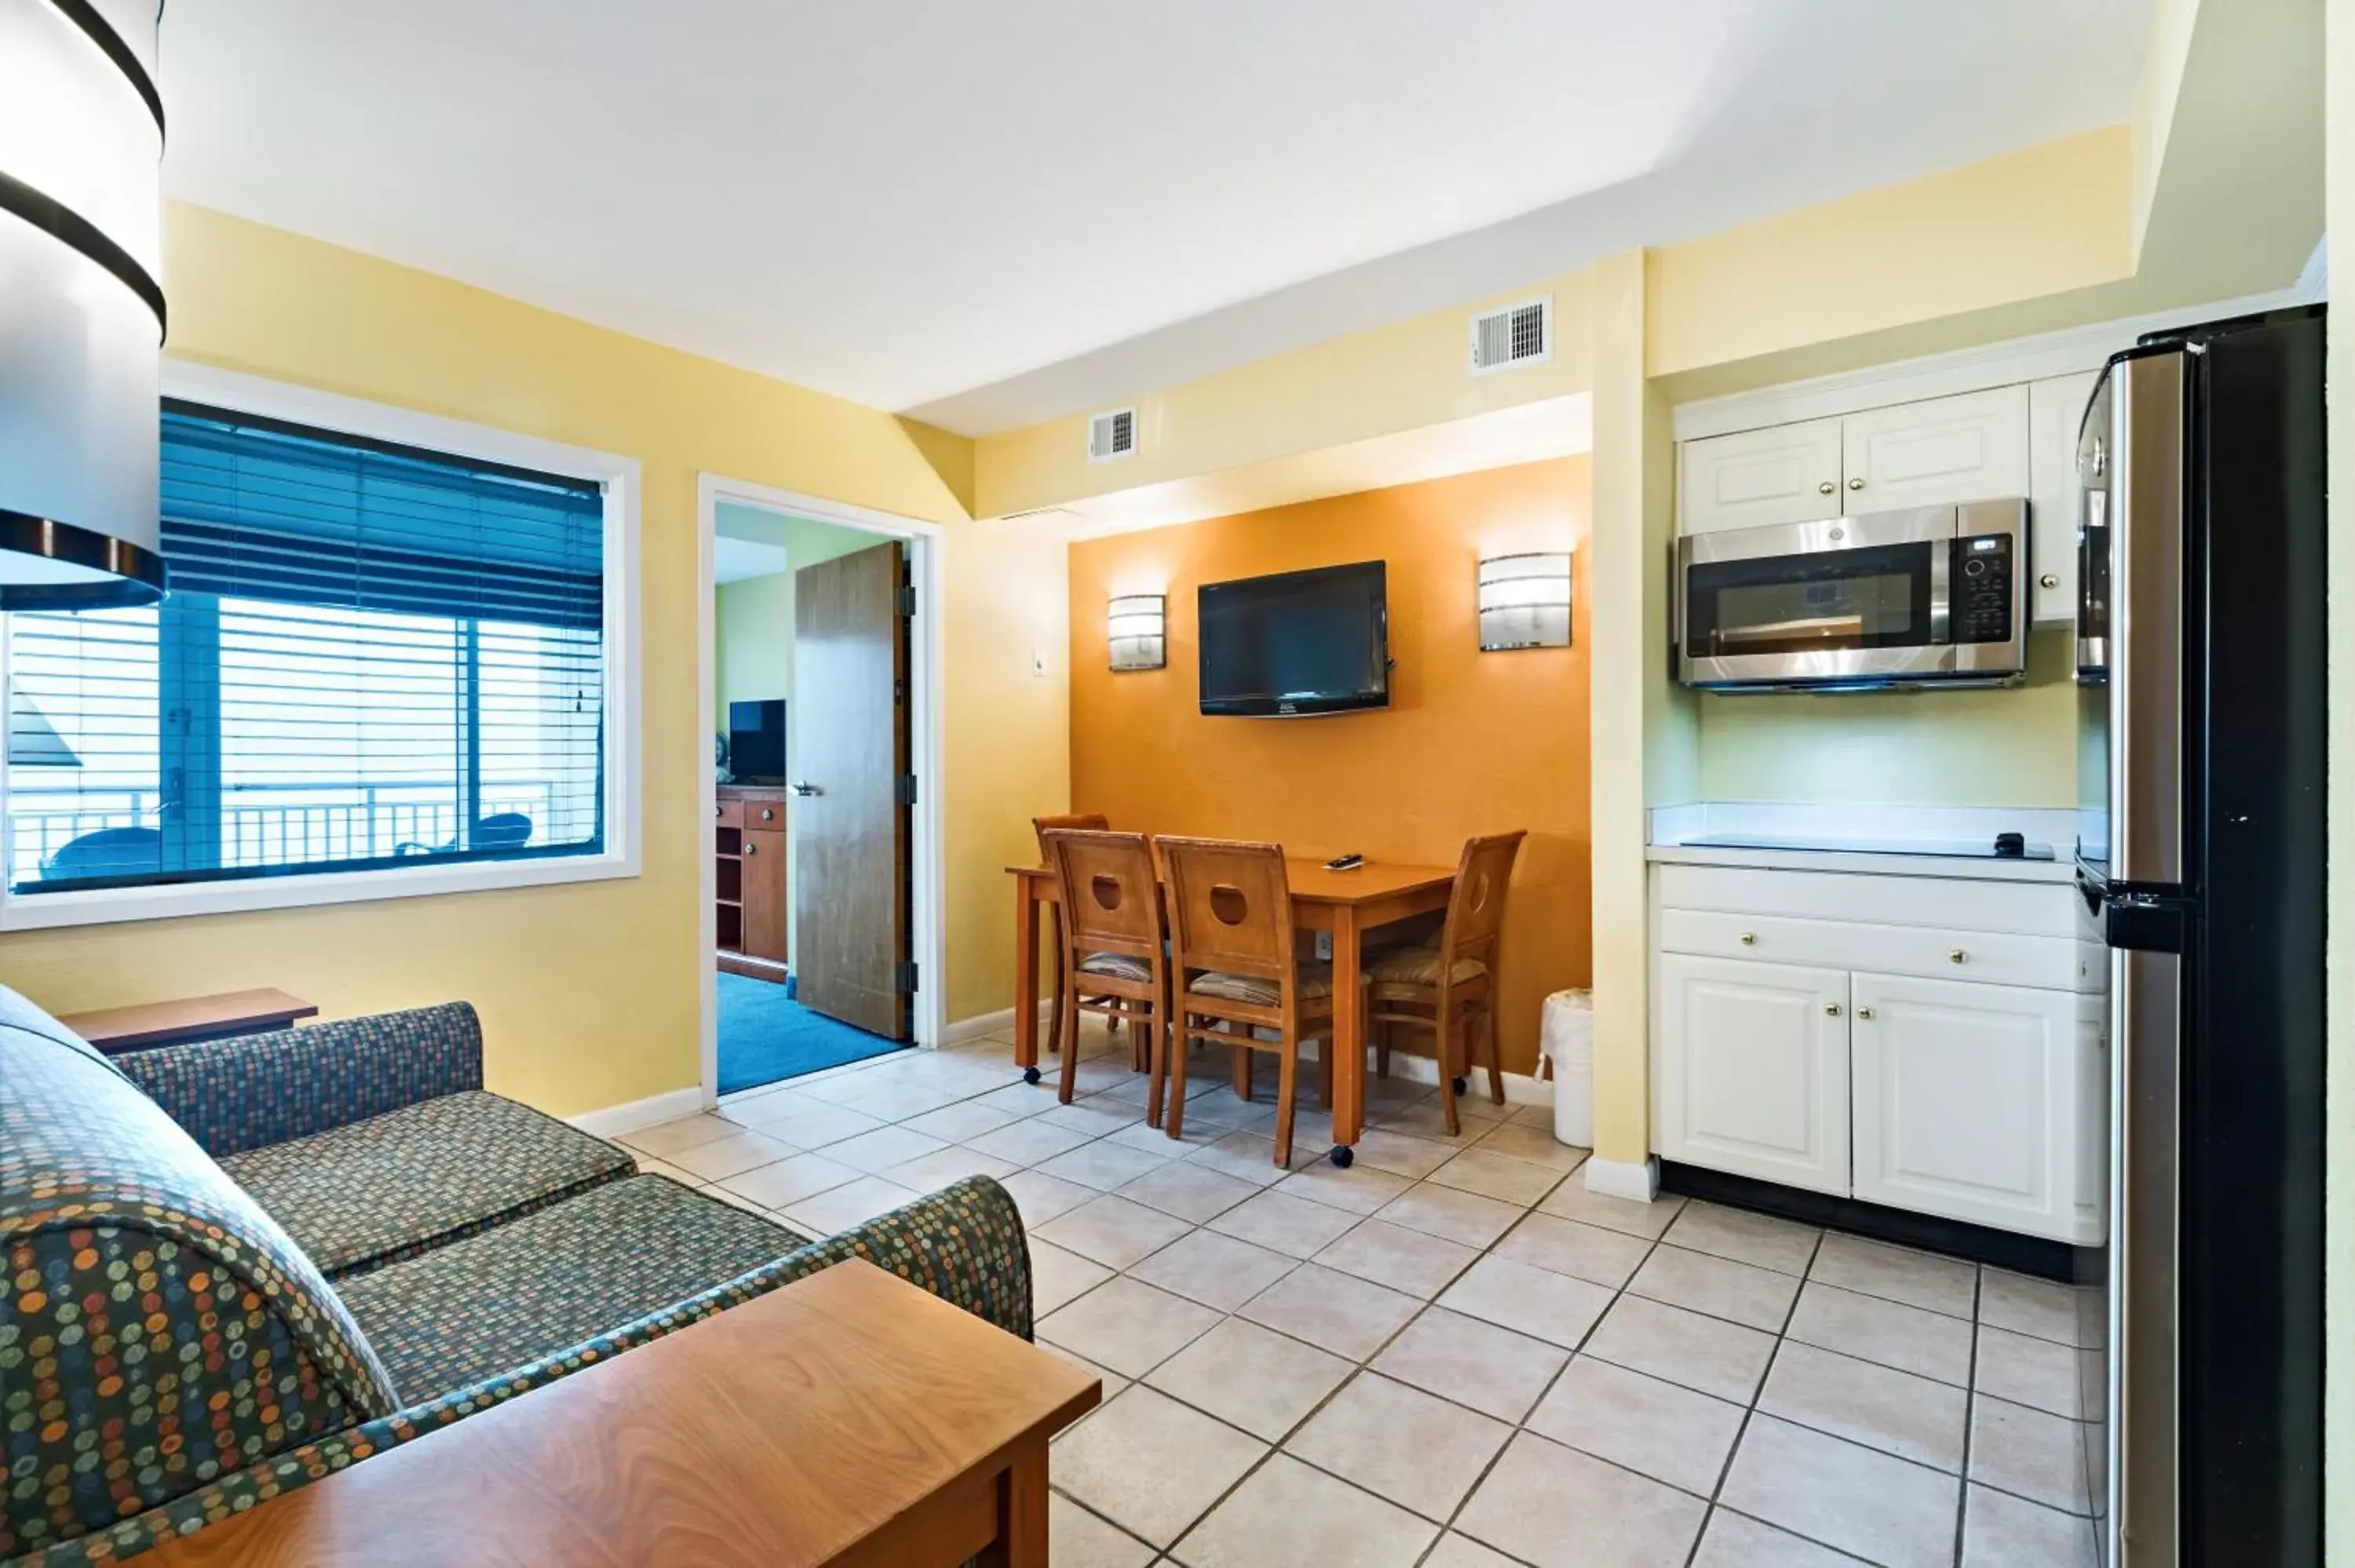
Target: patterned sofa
<point>227,1269</point>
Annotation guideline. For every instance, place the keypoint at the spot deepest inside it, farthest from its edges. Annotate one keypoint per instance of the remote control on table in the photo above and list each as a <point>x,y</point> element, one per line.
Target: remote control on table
<point>1345,863</point>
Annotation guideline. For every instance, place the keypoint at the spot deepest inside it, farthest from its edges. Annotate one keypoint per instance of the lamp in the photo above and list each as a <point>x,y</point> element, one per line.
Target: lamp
<point>1138,626</point>
<point>1525,601</point>
<point>81,316</point>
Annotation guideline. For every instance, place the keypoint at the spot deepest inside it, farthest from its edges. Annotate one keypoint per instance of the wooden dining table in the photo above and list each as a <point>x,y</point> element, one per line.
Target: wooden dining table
<point>1346,903</point>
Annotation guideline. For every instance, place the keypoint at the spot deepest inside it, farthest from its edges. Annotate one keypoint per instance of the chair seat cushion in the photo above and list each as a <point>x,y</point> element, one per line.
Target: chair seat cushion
<point>498,1299</point>
<point>360,1196</point>
<point>1420,966</point>
<point>1116,966</point>
<point>1315,983</point>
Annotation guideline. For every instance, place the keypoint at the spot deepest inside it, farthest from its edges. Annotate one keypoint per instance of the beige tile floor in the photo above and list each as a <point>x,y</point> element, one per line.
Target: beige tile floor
<point>1451,1354</point>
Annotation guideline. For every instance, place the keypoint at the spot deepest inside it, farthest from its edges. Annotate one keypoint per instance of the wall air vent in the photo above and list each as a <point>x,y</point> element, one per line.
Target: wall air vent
<point>1517,334</point>
<point>1112,435</point>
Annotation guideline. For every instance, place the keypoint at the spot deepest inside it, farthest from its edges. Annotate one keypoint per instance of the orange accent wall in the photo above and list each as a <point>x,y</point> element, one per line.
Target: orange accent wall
<point>1472,742</point>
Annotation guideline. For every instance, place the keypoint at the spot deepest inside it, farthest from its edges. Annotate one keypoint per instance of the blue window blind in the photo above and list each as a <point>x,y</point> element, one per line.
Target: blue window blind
<point>370,656</point>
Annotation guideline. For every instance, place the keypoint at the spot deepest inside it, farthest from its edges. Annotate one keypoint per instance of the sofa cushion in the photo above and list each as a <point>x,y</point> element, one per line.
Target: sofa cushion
<point>159,1328</point>
<point>490,1302</point>
<point>359,1196</point>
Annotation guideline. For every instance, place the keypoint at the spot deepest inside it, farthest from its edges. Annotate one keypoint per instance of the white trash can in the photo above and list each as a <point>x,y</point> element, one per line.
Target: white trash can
<point>1566,1038</point>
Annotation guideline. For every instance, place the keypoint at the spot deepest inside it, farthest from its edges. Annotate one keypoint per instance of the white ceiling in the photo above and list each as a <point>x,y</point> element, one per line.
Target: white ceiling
<point>994,213</point>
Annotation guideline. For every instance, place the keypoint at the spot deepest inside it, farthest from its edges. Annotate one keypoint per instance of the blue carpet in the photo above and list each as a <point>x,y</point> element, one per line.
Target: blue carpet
<point>765,1035</point>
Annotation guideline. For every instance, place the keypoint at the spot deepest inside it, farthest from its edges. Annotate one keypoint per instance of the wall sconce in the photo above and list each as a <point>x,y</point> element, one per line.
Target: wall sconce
<point>1525,601</point>
<point>82,147</point>
<point>1138,626</point>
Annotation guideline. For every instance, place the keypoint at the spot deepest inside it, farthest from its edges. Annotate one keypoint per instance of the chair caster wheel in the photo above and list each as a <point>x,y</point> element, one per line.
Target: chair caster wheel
<point>1462,1086</point>
<point>1029,1075</point>
<point>1343,1156</point>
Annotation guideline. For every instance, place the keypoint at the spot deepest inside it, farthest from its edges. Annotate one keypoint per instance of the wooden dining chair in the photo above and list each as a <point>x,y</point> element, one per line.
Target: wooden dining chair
<point>1451,989</point>
<point>1236,972</point>
<point>1082,822</point>
<point>1115,943</point>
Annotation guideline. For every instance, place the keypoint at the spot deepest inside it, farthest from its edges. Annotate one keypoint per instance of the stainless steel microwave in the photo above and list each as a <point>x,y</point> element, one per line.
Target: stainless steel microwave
<point>1929,596</point>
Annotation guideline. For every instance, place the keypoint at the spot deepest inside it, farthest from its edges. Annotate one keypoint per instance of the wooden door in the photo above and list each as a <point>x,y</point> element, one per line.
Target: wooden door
<point>1752,1064</point>
<point>850,826</point>
<point>1973,447</point>
<point>1970,1103</point>
<point>1789,473</point>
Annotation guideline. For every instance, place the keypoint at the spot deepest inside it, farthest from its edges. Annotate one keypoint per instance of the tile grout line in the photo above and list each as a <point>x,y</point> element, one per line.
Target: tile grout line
<point>1970,1419</point>
<point>1741,1428</point>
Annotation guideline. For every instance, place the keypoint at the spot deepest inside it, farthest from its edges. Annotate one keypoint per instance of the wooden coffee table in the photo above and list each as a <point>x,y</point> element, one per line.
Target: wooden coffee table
<point>850,1418</point>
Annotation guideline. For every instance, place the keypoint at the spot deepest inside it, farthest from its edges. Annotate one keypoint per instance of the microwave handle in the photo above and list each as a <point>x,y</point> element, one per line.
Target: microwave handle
<point>1942,592</point>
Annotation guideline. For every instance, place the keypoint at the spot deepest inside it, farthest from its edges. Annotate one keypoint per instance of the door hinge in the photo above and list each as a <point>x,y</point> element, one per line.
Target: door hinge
<point>903,788</point>
<point>907,601</point>
<point>903,978</point>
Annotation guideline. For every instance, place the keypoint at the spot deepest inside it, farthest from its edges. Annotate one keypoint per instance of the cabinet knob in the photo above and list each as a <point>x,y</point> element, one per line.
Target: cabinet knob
<point>751,849</point>
<point>1958,956</point>
<point>1826,488</point>
<point>717,811</point>
<point>1857,483</point>
<point>768,813</point>
<point>1749,938</point>
<point>1831,1009</point>
<point>2050,579</point>
<point>1865,1013</point>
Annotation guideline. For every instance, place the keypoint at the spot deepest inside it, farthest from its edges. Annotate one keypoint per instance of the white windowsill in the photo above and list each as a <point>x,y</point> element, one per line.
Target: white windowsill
<point>110,906</point>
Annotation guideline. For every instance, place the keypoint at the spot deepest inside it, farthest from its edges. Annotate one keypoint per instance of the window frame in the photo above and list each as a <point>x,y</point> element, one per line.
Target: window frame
<point>622,855</point>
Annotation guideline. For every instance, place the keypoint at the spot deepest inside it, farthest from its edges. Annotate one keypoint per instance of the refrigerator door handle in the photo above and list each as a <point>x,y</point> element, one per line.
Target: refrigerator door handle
<point>2146,688</point>
<point>2145,1029</point>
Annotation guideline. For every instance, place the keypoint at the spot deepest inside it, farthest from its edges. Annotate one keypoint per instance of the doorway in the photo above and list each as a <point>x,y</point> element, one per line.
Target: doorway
<point>822,880</point>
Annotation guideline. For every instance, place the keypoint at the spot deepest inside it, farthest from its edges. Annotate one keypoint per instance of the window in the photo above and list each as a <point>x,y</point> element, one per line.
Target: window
<point>373,659</point>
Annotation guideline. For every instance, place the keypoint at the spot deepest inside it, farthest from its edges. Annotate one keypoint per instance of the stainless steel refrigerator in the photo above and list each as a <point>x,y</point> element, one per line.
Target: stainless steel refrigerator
<point>2201,855</point>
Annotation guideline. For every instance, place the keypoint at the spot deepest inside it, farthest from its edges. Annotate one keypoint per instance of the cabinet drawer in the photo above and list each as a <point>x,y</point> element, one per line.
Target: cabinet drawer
<point>1990,958</point>
<point>2020,909</point>
<point>728,813</point>
<point>766,814</point>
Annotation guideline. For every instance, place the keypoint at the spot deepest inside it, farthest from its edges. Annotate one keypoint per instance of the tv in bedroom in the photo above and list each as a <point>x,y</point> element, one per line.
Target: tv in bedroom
<point>756,741</point>
<point>1295,643</point>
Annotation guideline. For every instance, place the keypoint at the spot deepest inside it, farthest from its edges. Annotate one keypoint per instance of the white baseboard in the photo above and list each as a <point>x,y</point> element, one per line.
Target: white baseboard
<point>1637,1180</point>
<point>1520,1088</point>
<point>983,1024</point>
<point>614,1121</point>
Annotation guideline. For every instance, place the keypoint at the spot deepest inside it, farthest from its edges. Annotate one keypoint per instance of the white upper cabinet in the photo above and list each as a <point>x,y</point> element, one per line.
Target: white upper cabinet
<point>1789,473</point>
<point>2055,407</point>
<point>1753,1072</point>
<point>1936,452</point>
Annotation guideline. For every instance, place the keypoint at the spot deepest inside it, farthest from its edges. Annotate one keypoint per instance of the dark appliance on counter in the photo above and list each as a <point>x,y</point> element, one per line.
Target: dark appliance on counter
<point>2201,854</point>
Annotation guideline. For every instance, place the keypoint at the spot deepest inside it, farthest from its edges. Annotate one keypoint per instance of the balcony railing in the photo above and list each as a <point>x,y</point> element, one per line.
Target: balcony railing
<point>274,824</point>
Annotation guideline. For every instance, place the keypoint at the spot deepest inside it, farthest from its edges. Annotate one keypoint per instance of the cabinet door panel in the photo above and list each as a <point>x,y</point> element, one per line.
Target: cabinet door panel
<point>764,894</point>
<point>1941,450</point>
<point>1789,473</point>
<point>2054,409</point>
<point>1968,1102</point>
<point>1752,1070</point>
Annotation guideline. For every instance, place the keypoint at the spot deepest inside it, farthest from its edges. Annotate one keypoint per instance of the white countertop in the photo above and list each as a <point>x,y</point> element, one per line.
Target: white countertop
<point>1866,839</point>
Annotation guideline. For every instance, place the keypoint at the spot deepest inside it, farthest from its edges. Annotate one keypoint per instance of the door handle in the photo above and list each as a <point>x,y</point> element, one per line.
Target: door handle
<point>806,789</point>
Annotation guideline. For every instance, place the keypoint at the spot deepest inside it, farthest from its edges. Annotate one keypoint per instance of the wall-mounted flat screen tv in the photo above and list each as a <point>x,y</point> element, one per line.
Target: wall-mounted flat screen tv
<point>1295,643</point>
<point>756,741</point>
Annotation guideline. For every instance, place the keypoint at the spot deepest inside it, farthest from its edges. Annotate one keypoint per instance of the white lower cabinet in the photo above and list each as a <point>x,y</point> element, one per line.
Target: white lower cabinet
<point>1968,1101</point>
<point>1758,1081</point>
<point>1982,1099</point>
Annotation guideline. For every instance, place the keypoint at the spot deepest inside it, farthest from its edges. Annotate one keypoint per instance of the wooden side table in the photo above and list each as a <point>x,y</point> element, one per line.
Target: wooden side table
<point>848,1419</point>
<point>114,1029</point>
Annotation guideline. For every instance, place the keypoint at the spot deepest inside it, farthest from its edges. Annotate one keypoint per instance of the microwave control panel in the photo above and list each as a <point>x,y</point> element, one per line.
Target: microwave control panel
<point>1982,589</point>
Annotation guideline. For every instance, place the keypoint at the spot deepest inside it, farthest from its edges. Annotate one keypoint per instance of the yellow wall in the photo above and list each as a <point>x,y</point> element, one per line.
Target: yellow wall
<point>2015,747</point>
<point>588,991</point>
<point>1472,743</point>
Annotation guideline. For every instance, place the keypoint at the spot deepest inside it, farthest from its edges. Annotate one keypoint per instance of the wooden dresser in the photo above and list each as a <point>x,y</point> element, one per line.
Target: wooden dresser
<point>749,846</point>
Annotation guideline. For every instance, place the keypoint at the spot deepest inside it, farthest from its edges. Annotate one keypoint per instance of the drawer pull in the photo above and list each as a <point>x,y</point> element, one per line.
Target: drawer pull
<point>1865,1013</point>
<point>751,848</point>
<point>1956,956</point>
<point>1749,938</point>
<point>1831,1009</point>
<point>768,813</point>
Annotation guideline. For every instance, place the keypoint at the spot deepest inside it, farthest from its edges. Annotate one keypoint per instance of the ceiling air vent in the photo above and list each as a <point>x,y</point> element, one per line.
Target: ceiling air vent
<point>1112,435</point>
<point>1517,334</point>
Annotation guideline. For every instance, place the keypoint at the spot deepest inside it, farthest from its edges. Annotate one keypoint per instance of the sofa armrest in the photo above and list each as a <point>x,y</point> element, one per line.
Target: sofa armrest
<point>964,1244</point>
<point>256,1089</point>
